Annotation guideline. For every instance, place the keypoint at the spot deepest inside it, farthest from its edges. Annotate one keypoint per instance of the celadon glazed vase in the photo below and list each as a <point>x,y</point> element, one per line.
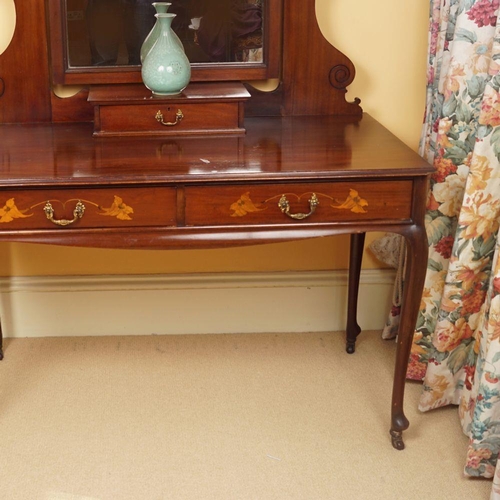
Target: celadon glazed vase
<point>149,41</point>
<point>166,69</point>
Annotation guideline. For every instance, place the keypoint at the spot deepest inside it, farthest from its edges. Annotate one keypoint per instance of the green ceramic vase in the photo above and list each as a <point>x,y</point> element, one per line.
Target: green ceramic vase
<point>149,41</point>
<point>166,69</point>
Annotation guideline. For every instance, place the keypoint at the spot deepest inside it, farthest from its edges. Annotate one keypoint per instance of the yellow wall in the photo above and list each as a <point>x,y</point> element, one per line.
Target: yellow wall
<point>387,42</point>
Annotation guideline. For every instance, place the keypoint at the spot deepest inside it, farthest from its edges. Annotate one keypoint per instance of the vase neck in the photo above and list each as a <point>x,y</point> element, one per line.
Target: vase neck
<point>161,7</point>
<point>165,20</point>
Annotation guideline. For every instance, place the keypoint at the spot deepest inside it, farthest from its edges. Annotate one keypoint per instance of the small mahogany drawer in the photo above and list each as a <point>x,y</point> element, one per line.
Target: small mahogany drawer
<point>201,108</point>
<point>110,207</point>
<point>312,202</point>
<point>165,118</point>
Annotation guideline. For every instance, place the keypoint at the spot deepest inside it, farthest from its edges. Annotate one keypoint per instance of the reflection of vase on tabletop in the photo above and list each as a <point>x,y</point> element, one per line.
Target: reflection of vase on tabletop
<point>161,8</point>
<point>166,69</point>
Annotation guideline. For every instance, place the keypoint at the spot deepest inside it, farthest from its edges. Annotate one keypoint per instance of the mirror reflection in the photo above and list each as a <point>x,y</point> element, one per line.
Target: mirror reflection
<point>111,32</point>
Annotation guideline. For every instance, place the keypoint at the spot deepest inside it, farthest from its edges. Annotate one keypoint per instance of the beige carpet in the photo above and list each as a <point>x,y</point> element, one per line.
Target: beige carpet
<point>277,416</point>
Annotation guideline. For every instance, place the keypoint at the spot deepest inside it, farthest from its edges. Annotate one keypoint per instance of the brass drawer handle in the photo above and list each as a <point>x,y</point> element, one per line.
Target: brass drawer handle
<point>178,117</point>
<point>77,214</point>
<point>284,206</point>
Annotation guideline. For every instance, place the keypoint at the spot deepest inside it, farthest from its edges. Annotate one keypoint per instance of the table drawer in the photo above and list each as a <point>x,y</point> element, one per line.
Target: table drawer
<point>267,204</point>
<point>165,118</point>
<point>106,208</point>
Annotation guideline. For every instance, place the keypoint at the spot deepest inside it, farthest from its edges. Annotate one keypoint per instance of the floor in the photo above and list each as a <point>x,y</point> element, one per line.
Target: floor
<point>244,416</point>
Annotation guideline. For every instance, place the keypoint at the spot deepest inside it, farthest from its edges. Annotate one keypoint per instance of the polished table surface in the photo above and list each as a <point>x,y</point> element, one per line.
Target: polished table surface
<point>287,178</point>
<point>273,148</point>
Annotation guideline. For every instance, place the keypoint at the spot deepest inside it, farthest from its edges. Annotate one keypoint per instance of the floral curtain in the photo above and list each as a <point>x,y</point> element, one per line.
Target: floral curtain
<point>456,350</point>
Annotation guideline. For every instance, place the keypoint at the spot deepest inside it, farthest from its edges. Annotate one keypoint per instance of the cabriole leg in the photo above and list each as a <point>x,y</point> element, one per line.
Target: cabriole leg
<point>416,263</point>
<point>355,260</point>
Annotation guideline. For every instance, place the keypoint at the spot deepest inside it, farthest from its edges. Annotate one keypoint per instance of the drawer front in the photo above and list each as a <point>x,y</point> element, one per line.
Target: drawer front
<point>267,204</point>
<point>143,118</point>
<point>110,207</point>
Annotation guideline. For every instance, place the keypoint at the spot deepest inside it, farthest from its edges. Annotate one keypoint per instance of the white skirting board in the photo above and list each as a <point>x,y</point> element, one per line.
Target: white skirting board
<point>186,304</point>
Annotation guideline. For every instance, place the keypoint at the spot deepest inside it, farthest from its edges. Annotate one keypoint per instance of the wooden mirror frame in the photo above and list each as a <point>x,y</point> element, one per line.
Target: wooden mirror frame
<point>62,73</point>
<point>313,79</point>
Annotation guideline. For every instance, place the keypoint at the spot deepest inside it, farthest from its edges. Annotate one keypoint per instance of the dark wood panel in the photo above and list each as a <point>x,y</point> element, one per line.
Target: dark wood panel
<point>315,74</point>
<point>337,202</point>
<point>24,68</point>
<point>104,208</point>
<point>72,109</point>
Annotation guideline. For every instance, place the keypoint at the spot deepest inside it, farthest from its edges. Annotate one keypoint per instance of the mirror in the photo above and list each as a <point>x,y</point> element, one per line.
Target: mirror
<point>99,41</point>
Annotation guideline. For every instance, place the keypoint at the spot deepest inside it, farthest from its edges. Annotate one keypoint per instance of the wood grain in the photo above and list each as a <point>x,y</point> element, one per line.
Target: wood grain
<point>24,68</point>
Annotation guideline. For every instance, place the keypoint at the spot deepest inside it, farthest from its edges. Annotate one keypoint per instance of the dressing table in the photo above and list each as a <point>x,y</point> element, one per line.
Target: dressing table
<point>297,162</point>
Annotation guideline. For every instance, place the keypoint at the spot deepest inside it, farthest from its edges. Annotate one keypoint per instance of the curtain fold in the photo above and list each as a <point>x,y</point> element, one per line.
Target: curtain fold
<point>456,349</point>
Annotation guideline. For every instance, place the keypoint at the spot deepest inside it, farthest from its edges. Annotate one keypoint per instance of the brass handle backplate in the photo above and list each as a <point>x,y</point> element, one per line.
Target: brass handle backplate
<point>178,117</point>
<point>284,206</point>
<point>77,214</point>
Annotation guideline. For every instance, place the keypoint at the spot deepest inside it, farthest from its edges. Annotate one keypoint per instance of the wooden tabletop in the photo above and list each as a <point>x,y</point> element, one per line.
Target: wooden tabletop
<point>274,148</point>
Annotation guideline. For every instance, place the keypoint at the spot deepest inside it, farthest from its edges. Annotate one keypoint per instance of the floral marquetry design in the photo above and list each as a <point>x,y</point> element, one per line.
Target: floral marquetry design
<point>9,212</point>
<point>245,205</point>
<point>353,202</point>
<point>118,209</point>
